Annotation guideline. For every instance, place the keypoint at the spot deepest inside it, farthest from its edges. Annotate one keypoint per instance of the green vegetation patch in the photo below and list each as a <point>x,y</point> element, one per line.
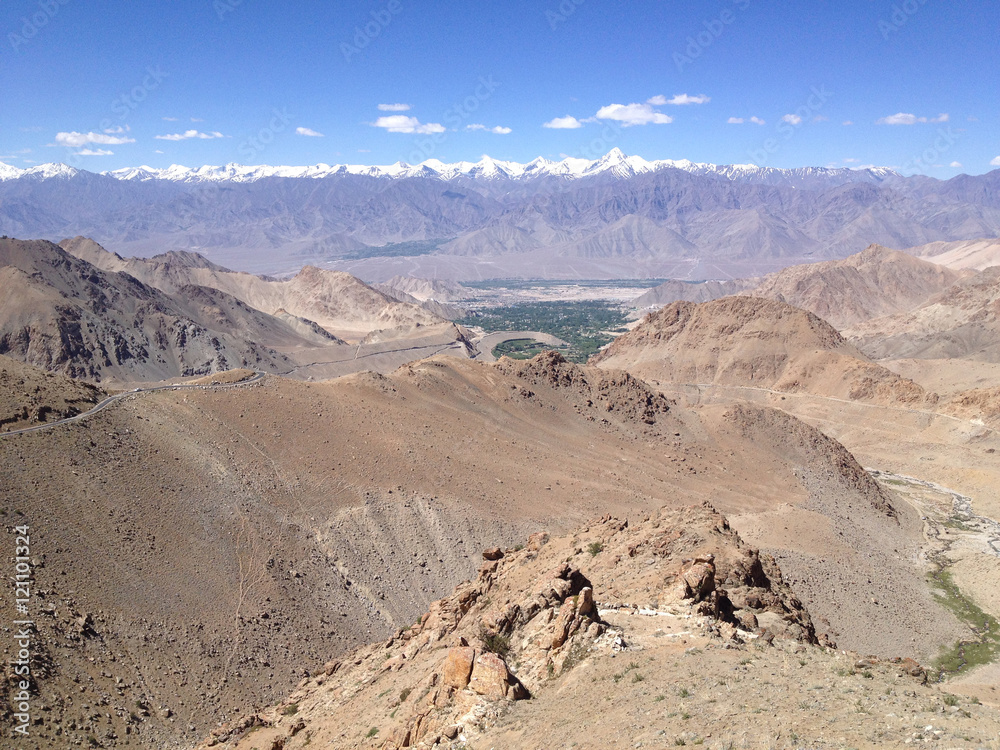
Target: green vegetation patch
<point>397,249</point>
<point>965,654</point>
<point>581,324</point>
<point>519,349</point>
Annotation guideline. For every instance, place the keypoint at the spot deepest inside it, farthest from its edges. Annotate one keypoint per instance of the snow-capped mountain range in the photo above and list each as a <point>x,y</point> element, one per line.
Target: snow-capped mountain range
<point>615,164</point>
<point>616,216</point>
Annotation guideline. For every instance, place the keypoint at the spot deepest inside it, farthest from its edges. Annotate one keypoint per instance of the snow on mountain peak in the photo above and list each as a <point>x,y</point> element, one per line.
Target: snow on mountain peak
<point>615,164</point>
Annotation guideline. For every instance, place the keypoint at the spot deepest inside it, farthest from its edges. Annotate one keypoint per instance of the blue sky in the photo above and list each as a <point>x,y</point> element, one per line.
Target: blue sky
<point>195,82</point>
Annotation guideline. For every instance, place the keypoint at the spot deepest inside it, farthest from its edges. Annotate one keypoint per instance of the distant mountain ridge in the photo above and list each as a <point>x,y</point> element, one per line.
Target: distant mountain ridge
<point>614,217</point>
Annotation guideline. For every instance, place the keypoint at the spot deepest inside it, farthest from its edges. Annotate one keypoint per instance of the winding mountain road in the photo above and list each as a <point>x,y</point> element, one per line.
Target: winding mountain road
<point>258,375</point>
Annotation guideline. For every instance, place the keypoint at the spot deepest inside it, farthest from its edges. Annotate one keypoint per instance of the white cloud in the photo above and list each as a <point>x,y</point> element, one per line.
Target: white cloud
<point>792,119</point>
<point>956,165</point>
<point>739,120</point>
<point>756,121</point>
<point>821,118</point>
<point>309,131</point>
<point>196,119</point>
<point>171,119</point>
<point>75,140</point>
<point>117,130</point>
<point>394,107</point>
<point>848,122</point>
<point>681,99</point>
<point>851,161</point>
<point>190,134</point>
<point>157,151</point>
<point>995,162</point>
<point>904,118</point>
<point>563,123</point>
<point>499,129</point>
<point>633,114</point>
<point>406,124</point>
<point>94,152</point>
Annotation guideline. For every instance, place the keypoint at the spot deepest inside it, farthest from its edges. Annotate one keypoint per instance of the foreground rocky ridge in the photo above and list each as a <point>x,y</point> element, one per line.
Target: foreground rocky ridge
<point>675,604</point>
<point>534,612</point>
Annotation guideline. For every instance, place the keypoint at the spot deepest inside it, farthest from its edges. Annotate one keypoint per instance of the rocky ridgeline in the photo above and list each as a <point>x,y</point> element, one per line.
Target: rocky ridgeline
<point>604,395</point>
<point>533,614</point>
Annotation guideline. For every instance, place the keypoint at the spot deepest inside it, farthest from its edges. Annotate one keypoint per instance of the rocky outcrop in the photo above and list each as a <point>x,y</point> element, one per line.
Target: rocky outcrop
<point>532,614</point>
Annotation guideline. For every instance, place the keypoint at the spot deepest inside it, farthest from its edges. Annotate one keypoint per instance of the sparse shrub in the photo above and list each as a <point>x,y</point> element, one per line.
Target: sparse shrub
<point>637,677</point>
<point>404,694</point>
<point>950,700</point>
<point>290,710</point>
<point>660,698</point>
<point>632,665</point>
<point>372,732</point>
<point>594,548</point>
<point>497,643</point>
<point>684,693</point>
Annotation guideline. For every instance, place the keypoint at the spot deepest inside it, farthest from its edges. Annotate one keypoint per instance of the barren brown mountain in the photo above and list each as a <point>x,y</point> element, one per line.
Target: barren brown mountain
<point>753,342</point>
<point>335,300</point>
<point>962,322</point>
<point>873,283</point>
<point>68,316</point>
<point>200,550</point>
<point>972,254</point>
